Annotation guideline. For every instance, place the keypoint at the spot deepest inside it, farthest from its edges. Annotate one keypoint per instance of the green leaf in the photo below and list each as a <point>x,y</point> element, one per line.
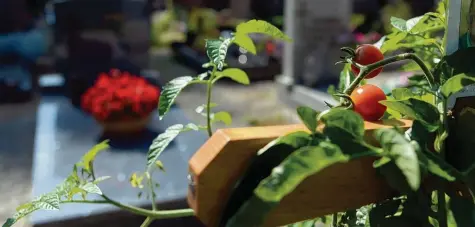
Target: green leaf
<point>245,42</point>
<point>91,188</point>
<point>455,84</point>
<point>308,117</point>
<point>88,158</point>
<point>347,120</point>
<point>284,179</point>
<point>417,110</point>
<point>263,27</point>
<point>403,154</point>
<point>405,25</point>
<point>170,92</point>
<point>161,142</point>
<point>392,42</point>
<point>235,74</point>
<point>261,166</point>
<point>216,50</point>
<point>346,76</point>
<point>100,179</point>
<point>224,117</point>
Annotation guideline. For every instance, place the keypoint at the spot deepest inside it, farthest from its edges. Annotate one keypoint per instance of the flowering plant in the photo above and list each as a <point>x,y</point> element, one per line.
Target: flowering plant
<point>120,96</point>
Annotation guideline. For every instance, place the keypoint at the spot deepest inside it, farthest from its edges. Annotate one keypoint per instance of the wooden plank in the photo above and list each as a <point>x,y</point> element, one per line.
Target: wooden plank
<point>222,160</point>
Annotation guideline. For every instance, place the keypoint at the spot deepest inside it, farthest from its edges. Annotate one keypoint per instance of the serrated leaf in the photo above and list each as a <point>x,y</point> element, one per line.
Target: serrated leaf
<point>403,153</point>
<point>309,117</point>
<point>88,158</point>
<point>245,42</point>
<point>262,27</point>
<point>224,117</point>
<point>100,179</point>
<point>216,50</point>
<point>190,127</point>
<point>170,92</point>
<point>235,74</point>
<point>91,188</point>
<point>456,84</point>
<point>161,142</point>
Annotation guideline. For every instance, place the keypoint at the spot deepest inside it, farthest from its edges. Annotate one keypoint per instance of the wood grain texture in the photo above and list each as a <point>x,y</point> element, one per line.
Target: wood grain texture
<point>222,160</point>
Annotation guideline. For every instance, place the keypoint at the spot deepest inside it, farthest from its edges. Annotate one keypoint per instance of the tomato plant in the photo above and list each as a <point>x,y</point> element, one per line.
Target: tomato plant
<point>366,102</point>
<point>433,177</point>
<point>367,54</point>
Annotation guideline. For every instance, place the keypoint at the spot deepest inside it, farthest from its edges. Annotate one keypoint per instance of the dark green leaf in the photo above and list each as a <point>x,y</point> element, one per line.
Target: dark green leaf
<point>260,26</point>
<point>170,92</point>
<point>403,154</point>
<point>284,179</point>
<point>261,166</point>
<point>244,41</point>
<point>161,142</point>
<point>308,117</point>
<point>345,119</point>
<point>235,74</point>
<point>416,109</point>
<point>455,84</point>
<point>216,50</point>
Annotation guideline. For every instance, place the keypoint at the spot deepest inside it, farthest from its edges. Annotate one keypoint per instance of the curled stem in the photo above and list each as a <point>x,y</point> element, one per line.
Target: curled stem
<point>364,70</point>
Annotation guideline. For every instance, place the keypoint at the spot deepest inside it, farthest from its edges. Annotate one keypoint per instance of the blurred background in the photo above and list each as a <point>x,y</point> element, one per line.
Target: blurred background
<point>70,71</point>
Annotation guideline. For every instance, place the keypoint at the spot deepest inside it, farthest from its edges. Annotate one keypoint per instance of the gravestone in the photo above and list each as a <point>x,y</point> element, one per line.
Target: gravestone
<point>64,134</point>
<point>317,27</point>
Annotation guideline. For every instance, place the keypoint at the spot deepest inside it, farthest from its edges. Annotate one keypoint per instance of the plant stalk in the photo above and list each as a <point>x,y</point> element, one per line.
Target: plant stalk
<point>208,102</point>
<point>441,201</point>
<point>335,220</point>
<point>155,214</point>
<point>147,222</point>
<point>152,192</point>
<point>400,57</point>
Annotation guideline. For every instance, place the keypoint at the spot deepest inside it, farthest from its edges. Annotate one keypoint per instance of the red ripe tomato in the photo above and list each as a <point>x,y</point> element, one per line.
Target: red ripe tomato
<point>366,102</point>
<point>367,54</point>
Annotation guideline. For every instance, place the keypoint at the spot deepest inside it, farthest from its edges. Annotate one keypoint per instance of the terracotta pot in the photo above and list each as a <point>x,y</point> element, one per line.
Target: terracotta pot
<point>125,127</point>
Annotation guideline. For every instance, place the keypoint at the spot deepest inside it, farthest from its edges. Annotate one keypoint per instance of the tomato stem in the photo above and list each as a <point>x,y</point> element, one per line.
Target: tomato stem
<point>365,70</point>
<point>208,101</point>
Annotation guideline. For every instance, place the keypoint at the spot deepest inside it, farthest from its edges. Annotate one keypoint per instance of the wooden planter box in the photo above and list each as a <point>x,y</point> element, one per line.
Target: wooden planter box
<point>222,160</point>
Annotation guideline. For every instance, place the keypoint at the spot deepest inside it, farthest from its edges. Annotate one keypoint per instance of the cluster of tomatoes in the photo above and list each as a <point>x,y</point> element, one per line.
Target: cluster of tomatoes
<point>120,96</point>
<point>366,97</point>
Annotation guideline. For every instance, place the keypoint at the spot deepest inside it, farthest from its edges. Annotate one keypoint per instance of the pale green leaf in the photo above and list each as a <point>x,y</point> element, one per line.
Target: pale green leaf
<point>88,158</point>
<point>235,74</point>
<point>245,42</point>
<point>263,27</point>
<point>91,188</point>
<point>161,142</point>
<point>455,84</point>
<point>224,117</point>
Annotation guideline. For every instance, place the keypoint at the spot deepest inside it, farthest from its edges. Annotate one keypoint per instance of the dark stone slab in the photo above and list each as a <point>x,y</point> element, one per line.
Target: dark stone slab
<point>64,134</point>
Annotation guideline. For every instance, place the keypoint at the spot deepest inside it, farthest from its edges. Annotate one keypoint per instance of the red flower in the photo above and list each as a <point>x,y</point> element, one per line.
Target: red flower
<point>120,96</point>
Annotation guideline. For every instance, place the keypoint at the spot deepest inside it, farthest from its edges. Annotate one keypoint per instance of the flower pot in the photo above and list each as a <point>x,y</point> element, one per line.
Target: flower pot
<point>125,127</point>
